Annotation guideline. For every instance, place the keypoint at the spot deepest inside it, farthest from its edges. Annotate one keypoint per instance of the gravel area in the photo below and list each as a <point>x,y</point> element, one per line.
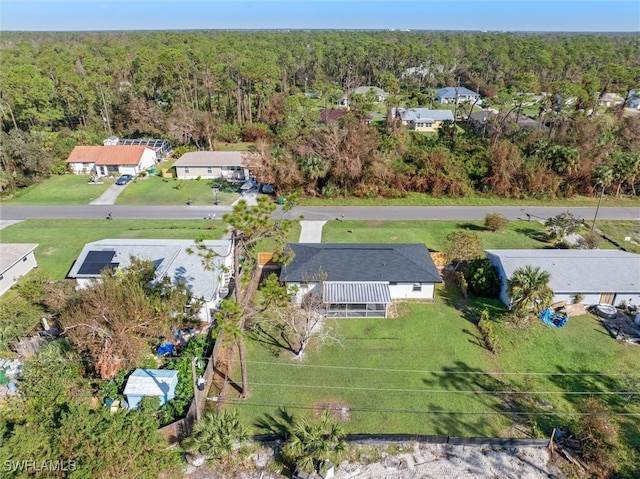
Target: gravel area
<point>425,461</point>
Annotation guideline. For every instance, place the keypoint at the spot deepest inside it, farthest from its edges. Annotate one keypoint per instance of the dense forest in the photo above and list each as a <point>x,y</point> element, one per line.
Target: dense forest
<point>58,90</point>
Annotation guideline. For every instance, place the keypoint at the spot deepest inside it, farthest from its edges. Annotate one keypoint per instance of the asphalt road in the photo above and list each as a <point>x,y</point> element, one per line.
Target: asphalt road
<point>9,213</point>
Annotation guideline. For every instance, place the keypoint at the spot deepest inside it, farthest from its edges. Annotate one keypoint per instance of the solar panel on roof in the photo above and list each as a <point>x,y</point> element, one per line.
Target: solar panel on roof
<point>96,261</point>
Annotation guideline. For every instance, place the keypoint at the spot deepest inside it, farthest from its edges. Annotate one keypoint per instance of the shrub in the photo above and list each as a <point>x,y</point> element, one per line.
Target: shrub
<point>598,434</point>
<point>483,278</point>
<point>495,222</point>
<point>590,240</point>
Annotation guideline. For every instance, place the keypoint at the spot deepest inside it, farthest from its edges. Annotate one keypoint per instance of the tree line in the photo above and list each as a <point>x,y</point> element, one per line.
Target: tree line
<point>58,90</point>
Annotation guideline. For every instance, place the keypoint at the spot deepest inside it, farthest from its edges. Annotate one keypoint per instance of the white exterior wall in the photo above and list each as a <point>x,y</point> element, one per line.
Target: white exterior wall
<point>81,168</point>
<point>405,291</point>
<point>16,271</point>
<point>303,289</point>
<point>203,172</point>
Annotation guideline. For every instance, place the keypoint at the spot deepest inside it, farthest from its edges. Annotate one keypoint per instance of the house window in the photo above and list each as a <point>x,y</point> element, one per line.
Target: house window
<point>209,169</point>
<point>417,287</point>
<point>1,277</point>
<point>186,169</point>
<point>24,259</point>
<point>392,283</point>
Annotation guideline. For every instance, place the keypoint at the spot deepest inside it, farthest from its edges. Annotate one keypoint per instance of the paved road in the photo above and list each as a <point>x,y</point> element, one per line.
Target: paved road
<point>314,213</point>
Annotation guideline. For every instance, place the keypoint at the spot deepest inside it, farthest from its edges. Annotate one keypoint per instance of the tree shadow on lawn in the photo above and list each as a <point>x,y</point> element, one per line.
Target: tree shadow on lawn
<point>471,227</point>
<point>537,235</point>
<point>498,397</point>
<point>273,338</point>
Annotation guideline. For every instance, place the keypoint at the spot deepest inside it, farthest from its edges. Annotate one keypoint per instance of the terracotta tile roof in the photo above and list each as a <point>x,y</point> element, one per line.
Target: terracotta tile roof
<point>107,155</point>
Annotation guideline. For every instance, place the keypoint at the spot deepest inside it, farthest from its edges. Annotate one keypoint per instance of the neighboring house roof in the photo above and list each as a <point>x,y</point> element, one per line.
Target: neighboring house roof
<point>611,97</point>
<point>482,118</point>
<point>211,158</point>
<point>414,114</point>
<point>405,263</point>
<point>108,155</point>
<point>331,115</point>
<point>152,382</point>
<point>634,99</point>
<point>578,271</point>
<point>170,257</point>
<point>361,90</point>
<point>450,92</point>
<point>11,253</point>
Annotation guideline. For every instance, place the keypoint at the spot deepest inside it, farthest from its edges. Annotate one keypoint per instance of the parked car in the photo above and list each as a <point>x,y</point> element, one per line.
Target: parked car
<point>267,189</point>
<point>124,179</point>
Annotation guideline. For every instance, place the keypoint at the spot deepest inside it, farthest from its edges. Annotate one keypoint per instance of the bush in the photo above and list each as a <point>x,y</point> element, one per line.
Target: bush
<point>483,278</point>
<point>590,240</point>
<point>495,222</point>
<point>598,434</point>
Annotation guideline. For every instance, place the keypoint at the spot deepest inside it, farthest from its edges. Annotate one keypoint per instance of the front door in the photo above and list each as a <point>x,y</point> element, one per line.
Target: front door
<point>607,298</point>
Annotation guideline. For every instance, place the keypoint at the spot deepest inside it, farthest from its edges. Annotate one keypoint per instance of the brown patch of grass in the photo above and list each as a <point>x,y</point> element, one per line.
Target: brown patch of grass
<point>375,223</point>
<point>338,409</point>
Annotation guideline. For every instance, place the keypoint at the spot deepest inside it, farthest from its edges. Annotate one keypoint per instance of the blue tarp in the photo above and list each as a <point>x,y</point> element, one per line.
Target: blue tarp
<point>552,319</point>
<point>165,349</point>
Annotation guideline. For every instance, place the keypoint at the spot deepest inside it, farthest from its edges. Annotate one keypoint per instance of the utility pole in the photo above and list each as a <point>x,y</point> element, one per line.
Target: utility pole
<point>196,396</point>
<point>598,207</point>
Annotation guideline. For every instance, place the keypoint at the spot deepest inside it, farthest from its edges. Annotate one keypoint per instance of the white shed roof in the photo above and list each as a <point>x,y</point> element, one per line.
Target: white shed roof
<point>151,382</point>
<point>582,270</point>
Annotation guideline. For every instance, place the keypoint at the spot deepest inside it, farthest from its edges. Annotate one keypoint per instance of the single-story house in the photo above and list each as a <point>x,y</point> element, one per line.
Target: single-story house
<point>111,160</point>
<point>223,165</point>
<point>449,94</point>
<point>160,383</point>
<point>363,90</point>
<point>634,99</point>
<point>171,258</point>
<point>422,119</point>
<point>162,147</point>
<point>16,260</point>
<point>478,120</point>
<point>610,99</point>
<point>360,279</point>
<point>599,276</point>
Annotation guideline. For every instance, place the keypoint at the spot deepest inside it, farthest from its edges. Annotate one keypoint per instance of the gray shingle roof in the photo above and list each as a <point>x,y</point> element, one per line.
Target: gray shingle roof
<point>583,271</point>
<point>347,292</point>
<point>11,253</point>
<point>414,114</point>
<point>450,92</point>
<point>402,263</point>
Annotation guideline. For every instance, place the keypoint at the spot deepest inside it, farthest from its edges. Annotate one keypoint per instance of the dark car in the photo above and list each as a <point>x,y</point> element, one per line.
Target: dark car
<point>267,189</point>
<point>124,179</point>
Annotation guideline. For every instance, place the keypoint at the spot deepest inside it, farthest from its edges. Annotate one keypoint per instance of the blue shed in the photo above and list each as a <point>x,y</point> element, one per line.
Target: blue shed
<point>160,383</point>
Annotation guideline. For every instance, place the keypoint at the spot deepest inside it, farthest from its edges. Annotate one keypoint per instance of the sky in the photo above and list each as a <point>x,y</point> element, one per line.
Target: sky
<point>476,15</point>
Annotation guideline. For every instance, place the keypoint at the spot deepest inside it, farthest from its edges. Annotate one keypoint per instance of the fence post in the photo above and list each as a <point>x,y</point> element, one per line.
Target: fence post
<point>196,396</point>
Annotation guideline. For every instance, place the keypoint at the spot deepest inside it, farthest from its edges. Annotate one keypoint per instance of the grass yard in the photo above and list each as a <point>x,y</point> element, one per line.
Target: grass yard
<point>620,230</point>
<point>154,190</point>
<point>60,241</point>
<point>421,199</point>
<point>387,372</point>
<point>60,190</point>
<point>519,234</point>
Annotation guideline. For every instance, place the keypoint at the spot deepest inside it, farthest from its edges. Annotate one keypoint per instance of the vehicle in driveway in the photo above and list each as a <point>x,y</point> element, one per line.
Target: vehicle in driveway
<point>267,189</point>
<point>124,179</point>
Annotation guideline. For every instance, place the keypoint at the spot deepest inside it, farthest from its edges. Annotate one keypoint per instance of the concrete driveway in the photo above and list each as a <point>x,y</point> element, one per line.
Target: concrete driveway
<point>109,196</point>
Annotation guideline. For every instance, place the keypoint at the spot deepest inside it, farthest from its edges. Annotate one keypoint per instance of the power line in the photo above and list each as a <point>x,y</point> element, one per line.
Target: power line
<point>440,391</point>
<point>240,402</point>
<point>427,371</point>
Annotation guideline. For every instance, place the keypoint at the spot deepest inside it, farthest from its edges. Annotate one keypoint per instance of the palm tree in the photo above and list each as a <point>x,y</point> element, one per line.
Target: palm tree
<point>529,288</point>
<point>311,442</point>
<point>217,436</point>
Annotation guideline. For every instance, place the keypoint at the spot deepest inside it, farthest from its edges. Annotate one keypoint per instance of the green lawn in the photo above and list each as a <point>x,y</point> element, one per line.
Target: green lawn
<point>60,190</point>
<point>620,230</point>
<point>154,190</point>
<point>421,199</point>
<point>388,372</point>
<point>519,234</point>
<point>62,240</point>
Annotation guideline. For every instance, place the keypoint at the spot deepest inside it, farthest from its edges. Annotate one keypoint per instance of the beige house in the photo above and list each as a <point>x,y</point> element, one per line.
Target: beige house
<point>16,260</point>
<point>224,165</point>
<point>421,119</point>
<point>610,99</point>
